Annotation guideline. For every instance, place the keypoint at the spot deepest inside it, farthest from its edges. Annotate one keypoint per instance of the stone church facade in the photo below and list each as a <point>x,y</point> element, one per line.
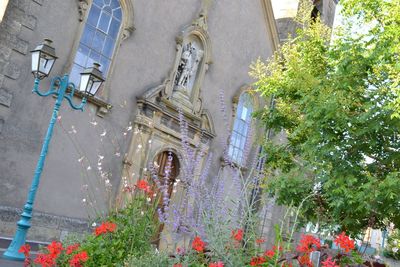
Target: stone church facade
<point>161,60</point>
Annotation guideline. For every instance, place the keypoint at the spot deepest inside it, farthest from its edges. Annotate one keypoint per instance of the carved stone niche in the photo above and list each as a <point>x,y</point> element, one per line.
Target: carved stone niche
<point>191,63</point>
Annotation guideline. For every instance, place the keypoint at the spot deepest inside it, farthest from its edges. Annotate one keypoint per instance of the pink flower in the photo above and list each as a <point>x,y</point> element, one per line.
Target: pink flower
<point>329,263</point>
<point>216,264</point>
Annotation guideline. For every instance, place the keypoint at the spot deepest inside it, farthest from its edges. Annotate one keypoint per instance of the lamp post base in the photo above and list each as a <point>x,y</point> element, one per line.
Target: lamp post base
<point>20,237</point>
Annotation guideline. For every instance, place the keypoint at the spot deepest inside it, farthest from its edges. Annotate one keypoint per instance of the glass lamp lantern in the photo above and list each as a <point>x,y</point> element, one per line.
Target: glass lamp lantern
<point>43,58</point>
<point>91,80</point>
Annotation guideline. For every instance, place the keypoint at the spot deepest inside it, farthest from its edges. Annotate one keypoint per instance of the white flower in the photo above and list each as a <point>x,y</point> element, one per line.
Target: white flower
<point>148,199</point>
<point>141,213</point>
<point>101,157</point>
<point>94,224</point>
<point>84,200</point>
<point>88,168</point>
<point>80,159</point>
<point>395,249</point>
<point>94,123</point>
<point>117,154</point>
<point>104,133</point>
<point>129,128</point>
<point>73,130</point>
<point>139,146</point>
<point>59,118</point>
<point>150,141</point>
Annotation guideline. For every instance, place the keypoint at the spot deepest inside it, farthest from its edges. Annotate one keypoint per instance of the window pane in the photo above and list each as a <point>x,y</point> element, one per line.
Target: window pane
<point>104,65</point>
<point>107,9</point>
<point>230,151</point>
<point>98,41</point>
<point>93,57</point>
<point>93,15</point>
<point>100,3</point>
<point>81,55</point>
<point>108,47</point>
<point>114,28</point>
<point>104,22</point>
<point>117,13</point>
<point>244,114</point>
<point>75,75</point>
<point>87,35</point>
<point>114,4</point>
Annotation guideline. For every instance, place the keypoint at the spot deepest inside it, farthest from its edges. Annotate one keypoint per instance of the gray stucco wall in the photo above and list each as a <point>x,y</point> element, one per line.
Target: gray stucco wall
<point>238,36</point>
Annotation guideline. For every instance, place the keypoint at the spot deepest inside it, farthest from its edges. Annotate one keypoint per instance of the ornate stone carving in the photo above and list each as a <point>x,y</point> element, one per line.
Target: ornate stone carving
<point>82,8</point>
<point>187,68</point>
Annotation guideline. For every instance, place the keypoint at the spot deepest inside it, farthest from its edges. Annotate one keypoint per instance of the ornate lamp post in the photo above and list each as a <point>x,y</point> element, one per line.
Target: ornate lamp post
<point>43,58</point>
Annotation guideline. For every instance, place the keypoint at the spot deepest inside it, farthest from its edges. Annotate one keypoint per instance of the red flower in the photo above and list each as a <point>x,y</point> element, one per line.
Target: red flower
<point>198,244</point>
<point>54,249</point>
<point>216,264</point>
<point>45,260</point>
<point>329,263</point>
<point>257,261</point>
<point>72,248</point>
<point>78,259</point>
<point>237,235</point>
<point>344,242</point>
<point>177,265</point>
<point>144,185</point>
<point>269,253</point>
<point>305,260</point>
<point>308,243</point>
<point>260,241</point>
<point>287,264</point>
<point>26,249</point>
<point>104,228</point>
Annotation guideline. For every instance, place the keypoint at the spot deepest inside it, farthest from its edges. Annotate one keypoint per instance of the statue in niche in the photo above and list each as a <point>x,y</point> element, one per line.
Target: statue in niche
<point>187,68</point>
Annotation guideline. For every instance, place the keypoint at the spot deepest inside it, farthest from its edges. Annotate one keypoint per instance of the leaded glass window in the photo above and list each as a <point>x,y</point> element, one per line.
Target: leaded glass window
<point>99,37</point>
<point>241,129</point>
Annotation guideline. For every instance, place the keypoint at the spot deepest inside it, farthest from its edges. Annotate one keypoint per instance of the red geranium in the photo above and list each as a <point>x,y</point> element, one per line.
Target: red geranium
<point>269,253</point>
<point>216,264</point>
<point>344,242</point>
<point>72,248</point>
<point>54,249</point>
<point>237,235</point>
<point>305,260</point>
<point>78,259</point>
<point>257,261</point>
<point>177,265</point>
<point>260,241</point>
<point>104,228</point>
<point>45,260</point>
<point>26,249</point>
<point>198,244</point>
<point>308,243</point>
<point>329,263</point>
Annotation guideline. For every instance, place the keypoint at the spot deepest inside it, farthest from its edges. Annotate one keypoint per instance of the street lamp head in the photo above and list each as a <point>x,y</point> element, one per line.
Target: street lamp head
<point>43,58</point>
<point>91,80</point>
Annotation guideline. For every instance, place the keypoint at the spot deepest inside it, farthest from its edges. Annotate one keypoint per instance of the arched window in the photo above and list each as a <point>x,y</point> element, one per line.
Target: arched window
<point>99,37</point>
<point>241,129</point>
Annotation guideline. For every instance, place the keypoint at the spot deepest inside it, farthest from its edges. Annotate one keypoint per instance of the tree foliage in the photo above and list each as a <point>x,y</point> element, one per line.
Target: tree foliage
<point>337,104</point>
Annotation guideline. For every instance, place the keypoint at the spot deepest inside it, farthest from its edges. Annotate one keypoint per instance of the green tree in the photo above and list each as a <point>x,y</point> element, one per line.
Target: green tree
<point>337,104</point>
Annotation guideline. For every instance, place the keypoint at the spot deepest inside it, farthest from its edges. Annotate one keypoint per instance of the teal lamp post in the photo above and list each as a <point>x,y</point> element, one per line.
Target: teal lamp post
<point>43,58</point>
